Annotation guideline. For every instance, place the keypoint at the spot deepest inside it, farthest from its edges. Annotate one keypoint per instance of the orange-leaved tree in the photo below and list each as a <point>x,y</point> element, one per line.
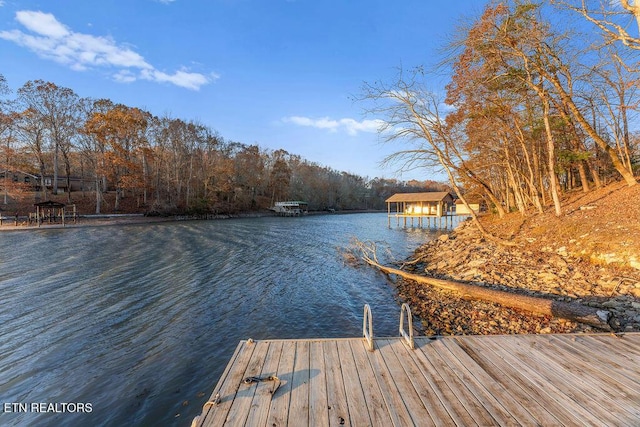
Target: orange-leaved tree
<point>122,132</point>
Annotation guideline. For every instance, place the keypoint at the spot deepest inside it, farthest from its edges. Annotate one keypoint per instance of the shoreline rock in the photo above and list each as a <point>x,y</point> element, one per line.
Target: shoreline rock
<point>463,255</point>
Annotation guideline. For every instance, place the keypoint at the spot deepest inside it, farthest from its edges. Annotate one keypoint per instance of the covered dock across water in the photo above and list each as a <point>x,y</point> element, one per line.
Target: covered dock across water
<point>418,207</point>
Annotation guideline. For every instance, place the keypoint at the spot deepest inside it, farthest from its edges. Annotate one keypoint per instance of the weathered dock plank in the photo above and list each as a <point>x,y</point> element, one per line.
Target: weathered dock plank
<point>427,392</point>
<point>300,384</point>
<point>611,394</point>
<point>503,387</point>
<point>618,365</point>
<point>376,406</point>
<point>259,410</point>
<point>464,380</point>
<point>215,414</point>
<point>491,395</point>
<point>444,392</point>
<point>246,391</point>
<point>479,413</point>
<point>279,405</point>
<point>318,407</point>
<point>533,371</point>
<point>572,386</point>
<point>354,392</point>
<point>336,395</point>
<point>417,411</point>
<point>388,389</point>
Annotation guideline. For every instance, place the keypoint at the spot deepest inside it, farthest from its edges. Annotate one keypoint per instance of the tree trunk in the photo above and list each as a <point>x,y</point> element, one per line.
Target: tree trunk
<point>67,167</point>
<point>571,311</point>
<point>583,176</point>
<point>116,206</point>
<point>145,174</point>
<point>98,195</point>
<point>43,187</point>
<point>82,176</point>
<point>517,191</point>
<point>55,169</point>
<point>6,186</point>
<point>627,175</point>
<point>551,160</point>
<point>533,190</point>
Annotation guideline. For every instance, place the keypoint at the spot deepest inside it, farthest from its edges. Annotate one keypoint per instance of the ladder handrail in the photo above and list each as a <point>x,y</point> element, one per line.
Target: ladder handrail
<point>407,337</point>
<point>367,333</point>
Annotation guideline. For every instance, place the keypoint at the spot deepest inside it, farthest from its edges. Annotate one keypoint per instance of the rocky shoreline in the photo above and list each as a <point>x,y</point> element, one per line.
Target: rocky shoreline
<point>465,256</point>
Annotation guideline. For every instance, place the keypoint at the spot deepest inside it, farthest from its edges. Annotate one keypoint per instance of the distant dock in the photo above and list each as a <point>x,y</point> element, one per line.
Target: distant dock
<point>420,208</point>
<point>572,380</point>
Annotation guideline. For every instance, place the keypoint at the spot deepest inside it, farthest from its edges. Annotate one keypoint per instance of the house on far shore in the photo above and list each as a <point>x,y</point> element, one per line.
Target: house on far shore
<point>19,177</point>
<point>433,204</point>
<point>34,182</point>
<point>461,209</point>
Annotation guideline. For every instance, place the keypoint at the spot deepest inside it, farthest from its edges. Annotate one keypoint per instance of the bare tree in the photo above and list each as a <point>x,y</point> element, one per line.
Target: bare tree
<point>612,20</point>
<point>55,107</point>
<point>413,114</point>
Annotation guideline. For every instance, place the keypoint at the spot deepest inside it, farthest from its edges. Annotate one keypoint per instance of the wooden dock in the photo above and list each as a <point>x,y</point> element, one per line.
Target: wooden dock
<point>530,380</point>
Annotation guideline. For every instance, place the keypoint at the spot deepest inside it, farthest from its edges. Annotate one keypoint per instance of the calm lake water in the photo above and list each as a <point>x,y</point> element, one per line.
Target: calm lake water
<point>140,320</point>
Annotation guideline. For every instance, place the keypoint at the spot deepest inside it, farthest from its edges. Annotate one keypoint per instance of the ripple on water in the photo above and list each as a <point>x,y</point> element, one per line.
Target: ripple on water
<point>137,319</point>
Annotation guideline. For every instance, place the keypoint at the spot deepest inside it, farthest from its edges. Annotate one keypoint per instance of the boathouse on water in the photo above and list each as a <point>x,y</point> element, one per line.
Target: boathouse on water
<point>433,204</point>
<point>291,208</point>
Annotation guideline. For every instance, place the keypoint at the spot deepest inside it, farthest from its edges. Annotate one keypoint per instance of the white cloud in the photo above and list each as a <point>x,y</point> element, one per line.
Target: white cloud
<point>180,78</point>
<point>44,24</point>
<point>50,39</point>
<point>351,126</point>
<point>124,76</point>
<point>324,123</point>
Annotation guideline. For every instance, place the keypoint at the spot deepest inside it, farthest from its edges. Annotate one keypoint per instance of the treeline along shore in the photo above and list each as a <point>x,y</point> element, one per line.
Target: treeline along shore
<point>55,142</point>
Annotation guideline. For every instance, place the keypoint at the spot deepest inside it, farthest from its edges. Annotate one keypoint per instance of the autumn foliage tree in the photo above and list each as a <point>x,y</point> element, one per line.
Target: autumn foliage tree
<point>121,130</point>
<point>532,109</point>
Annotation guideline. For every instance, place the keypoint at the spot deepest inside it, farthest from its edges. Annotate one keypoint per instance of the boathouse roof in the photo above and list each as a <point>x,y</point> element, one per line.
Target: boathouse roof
<point>430,196</point>
<point>49,204</point>
<point>293,203</point>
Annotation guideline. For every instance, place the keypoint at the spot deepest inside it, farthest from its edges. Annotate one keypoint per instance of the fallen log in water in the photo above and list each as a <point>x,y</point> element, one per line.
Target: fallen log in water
<point>566,310</point>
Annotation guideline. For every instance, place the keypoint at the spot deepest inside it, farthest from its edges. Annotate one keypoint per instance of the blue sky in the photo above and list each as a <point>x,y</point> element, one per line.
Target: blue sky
<point>276,73</point>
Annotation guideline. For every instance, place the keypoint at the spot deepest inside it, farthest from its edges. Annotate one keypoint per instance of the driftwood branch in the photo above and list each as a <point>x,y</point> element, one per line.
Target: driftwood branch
<point>543,306</point>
